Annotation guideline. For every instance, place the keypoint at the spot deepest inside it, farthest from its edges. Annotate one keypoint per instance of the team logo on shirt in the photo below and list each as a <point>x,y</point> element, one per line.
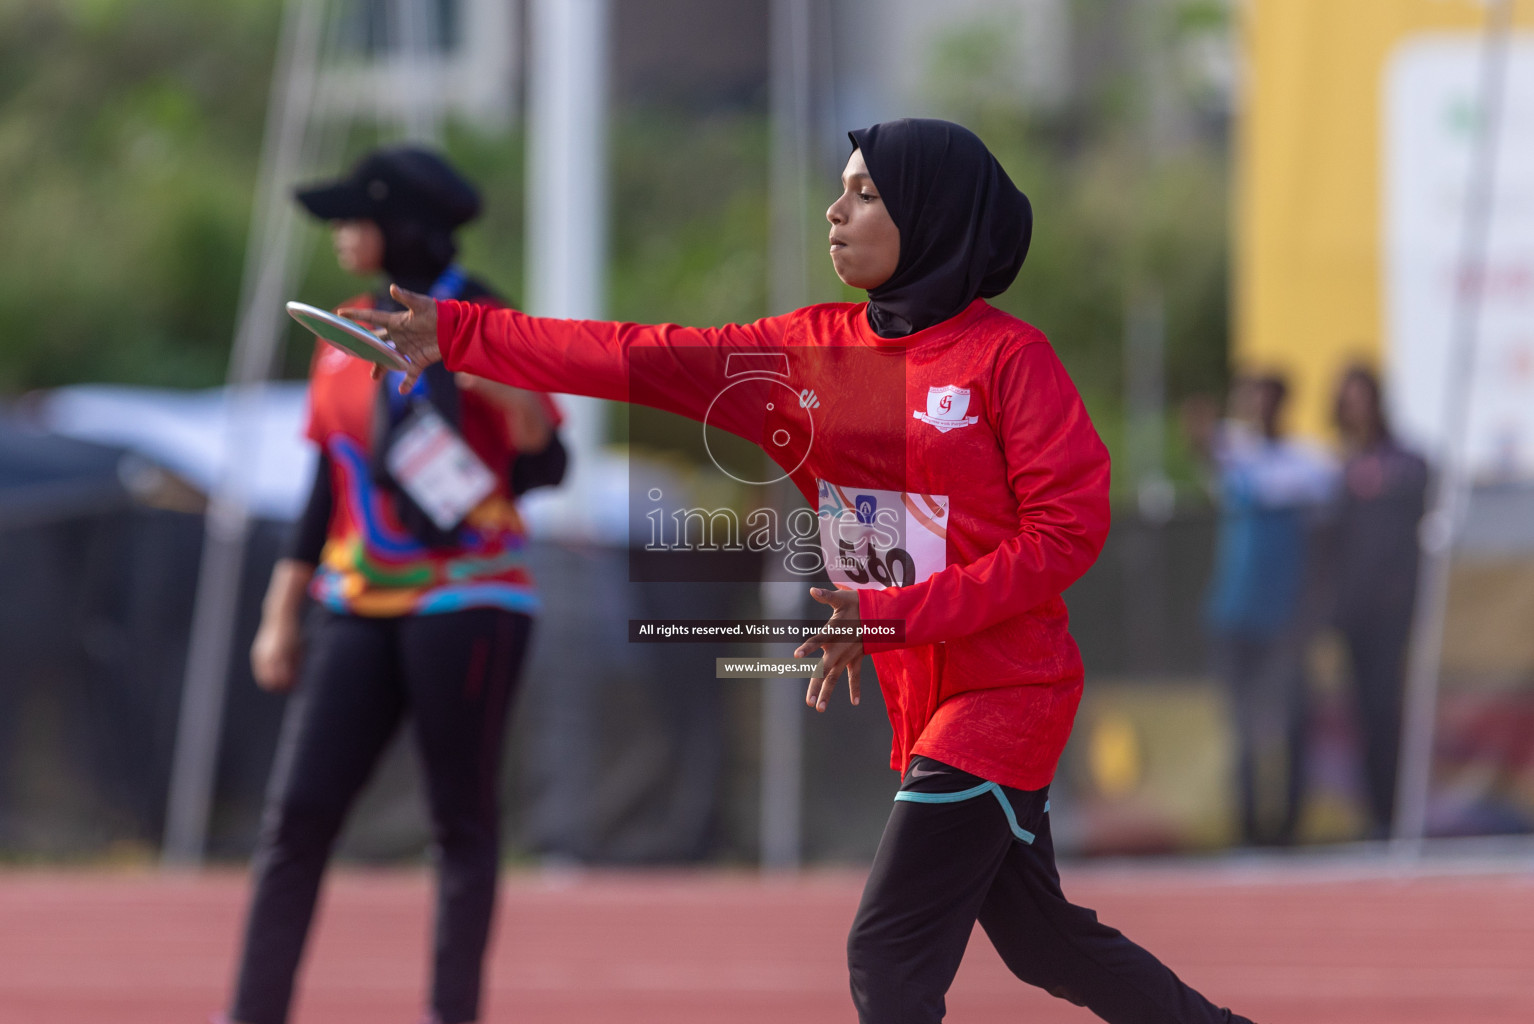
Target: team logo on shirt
<point>946,407</point>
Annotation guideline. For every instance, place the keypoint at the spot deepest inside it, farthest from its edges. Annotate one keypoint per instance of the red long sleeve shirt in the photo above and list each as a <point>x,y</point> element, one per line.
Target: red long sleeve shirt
<point>968,439</point>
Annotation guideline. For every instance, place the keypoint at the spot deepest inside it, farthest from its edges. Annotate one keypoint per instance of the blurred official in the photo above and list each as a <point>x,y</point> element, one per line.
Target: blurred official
<point>1381,502</point>
<point>413,551</point>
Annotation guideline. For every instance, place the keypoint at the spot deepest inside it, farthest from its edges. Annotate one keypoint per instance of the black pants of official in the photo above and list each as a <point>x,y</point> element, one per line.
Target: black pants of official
<point>943,866</point>
<point>452,675</point>
<point>1377,651</point>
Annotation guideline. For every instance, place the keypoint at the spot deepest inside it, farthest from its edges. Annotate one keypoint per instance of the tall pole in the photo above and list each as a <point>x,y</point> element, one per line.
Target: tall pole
<point>567,202</point>
<point>1451,492</point>
<point>1145,394</point>
<point>268,277</point>
<point>414,51</point>
<point>783,707</point>
<point>1143,542</point>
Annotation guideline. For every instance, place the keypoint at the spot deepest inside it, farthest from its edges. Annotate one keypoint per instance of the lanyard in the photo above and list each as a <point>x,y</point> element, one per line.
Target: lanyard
<point>448,286</point>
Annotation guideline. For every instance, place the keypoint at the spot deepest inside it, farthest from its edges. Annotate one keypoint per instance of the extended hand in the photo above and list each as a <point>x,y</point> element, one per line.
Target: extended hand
<point>413,332</point>
<point>837,655</point>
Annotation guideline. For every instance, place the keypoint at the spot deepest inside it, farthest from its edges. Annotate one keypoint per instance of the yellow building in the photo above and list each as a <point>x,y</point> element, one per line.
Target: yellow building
<point>1356,140</point>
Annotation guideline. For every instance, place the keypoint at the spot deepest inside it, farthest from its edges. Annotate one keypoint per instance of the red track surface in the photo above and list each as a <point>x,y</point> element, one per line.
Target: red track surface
<point>1301,948</point>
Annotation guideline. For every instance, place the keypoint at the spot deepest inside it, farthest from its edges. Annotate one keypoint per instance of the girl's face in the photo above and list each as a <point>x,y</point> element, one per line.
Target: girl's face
<point>359,246</point>
<point>865,243</point>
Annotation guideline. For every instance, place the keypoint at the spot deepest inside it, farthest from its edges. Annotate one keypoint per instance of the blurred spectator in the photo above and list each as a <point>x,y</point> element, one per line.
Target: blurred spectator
<point>1270,491</point>
<point>1379,509</point>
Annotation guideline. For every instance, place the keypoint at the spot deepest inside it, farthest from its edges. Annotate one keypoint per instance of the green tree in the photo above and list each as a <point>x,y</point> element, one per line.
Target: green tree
<point>128,138</point>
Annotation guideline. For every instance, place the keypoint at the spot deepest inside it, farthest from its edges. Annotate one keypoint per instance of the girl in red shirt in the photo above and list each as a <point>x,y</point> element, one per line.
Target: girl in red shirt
<point>993,488</point>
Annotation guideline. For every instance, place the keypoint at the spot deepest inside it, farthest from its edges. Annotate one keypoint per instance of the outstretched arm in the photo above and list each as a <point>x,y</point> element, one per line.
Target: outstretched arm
<point>679,369</point>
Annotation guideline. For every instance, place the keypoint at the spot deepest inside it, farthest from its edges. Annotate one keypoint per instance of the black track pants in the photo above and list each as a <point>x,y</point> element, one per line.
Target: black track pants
<point>453,676</point>
<point>958,858</point>
<point>1378,655</point>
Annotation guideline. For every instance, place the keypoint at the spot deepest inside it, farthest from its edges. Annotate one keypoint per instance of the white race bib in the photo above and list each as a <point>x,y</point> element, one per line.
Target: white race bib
<point>872,539</point>
<point>437,469</point>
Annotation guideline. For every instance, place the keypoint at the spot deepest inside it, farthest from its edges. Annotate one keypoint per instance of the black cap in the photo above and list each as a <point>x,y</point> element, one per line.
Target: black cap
<point>396,183</point>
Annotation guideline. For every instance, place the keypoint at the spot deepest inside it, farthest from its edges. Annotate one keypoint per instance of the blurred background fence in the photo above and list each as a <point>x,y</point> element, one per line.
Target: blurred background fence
<point>635,753</point>
<point>620,753</point>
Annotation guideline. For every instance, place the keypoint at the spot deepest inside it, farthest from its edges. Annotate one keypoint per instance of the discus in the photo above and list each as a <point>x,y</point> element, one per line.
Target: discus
<point>348,335</point>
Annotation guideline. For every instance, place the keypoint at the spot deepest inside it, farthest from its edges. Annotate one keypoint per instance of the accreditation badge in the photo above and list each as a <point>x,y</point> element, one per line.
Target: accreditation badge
<point>433,465</point>
<point>872,539</point>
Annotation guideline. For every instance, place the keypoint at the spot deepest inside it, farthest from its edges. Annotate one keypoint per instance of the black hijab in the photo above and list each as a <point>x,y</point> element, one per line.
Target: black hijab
<point>416,250</point>
<point>964,227</point>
